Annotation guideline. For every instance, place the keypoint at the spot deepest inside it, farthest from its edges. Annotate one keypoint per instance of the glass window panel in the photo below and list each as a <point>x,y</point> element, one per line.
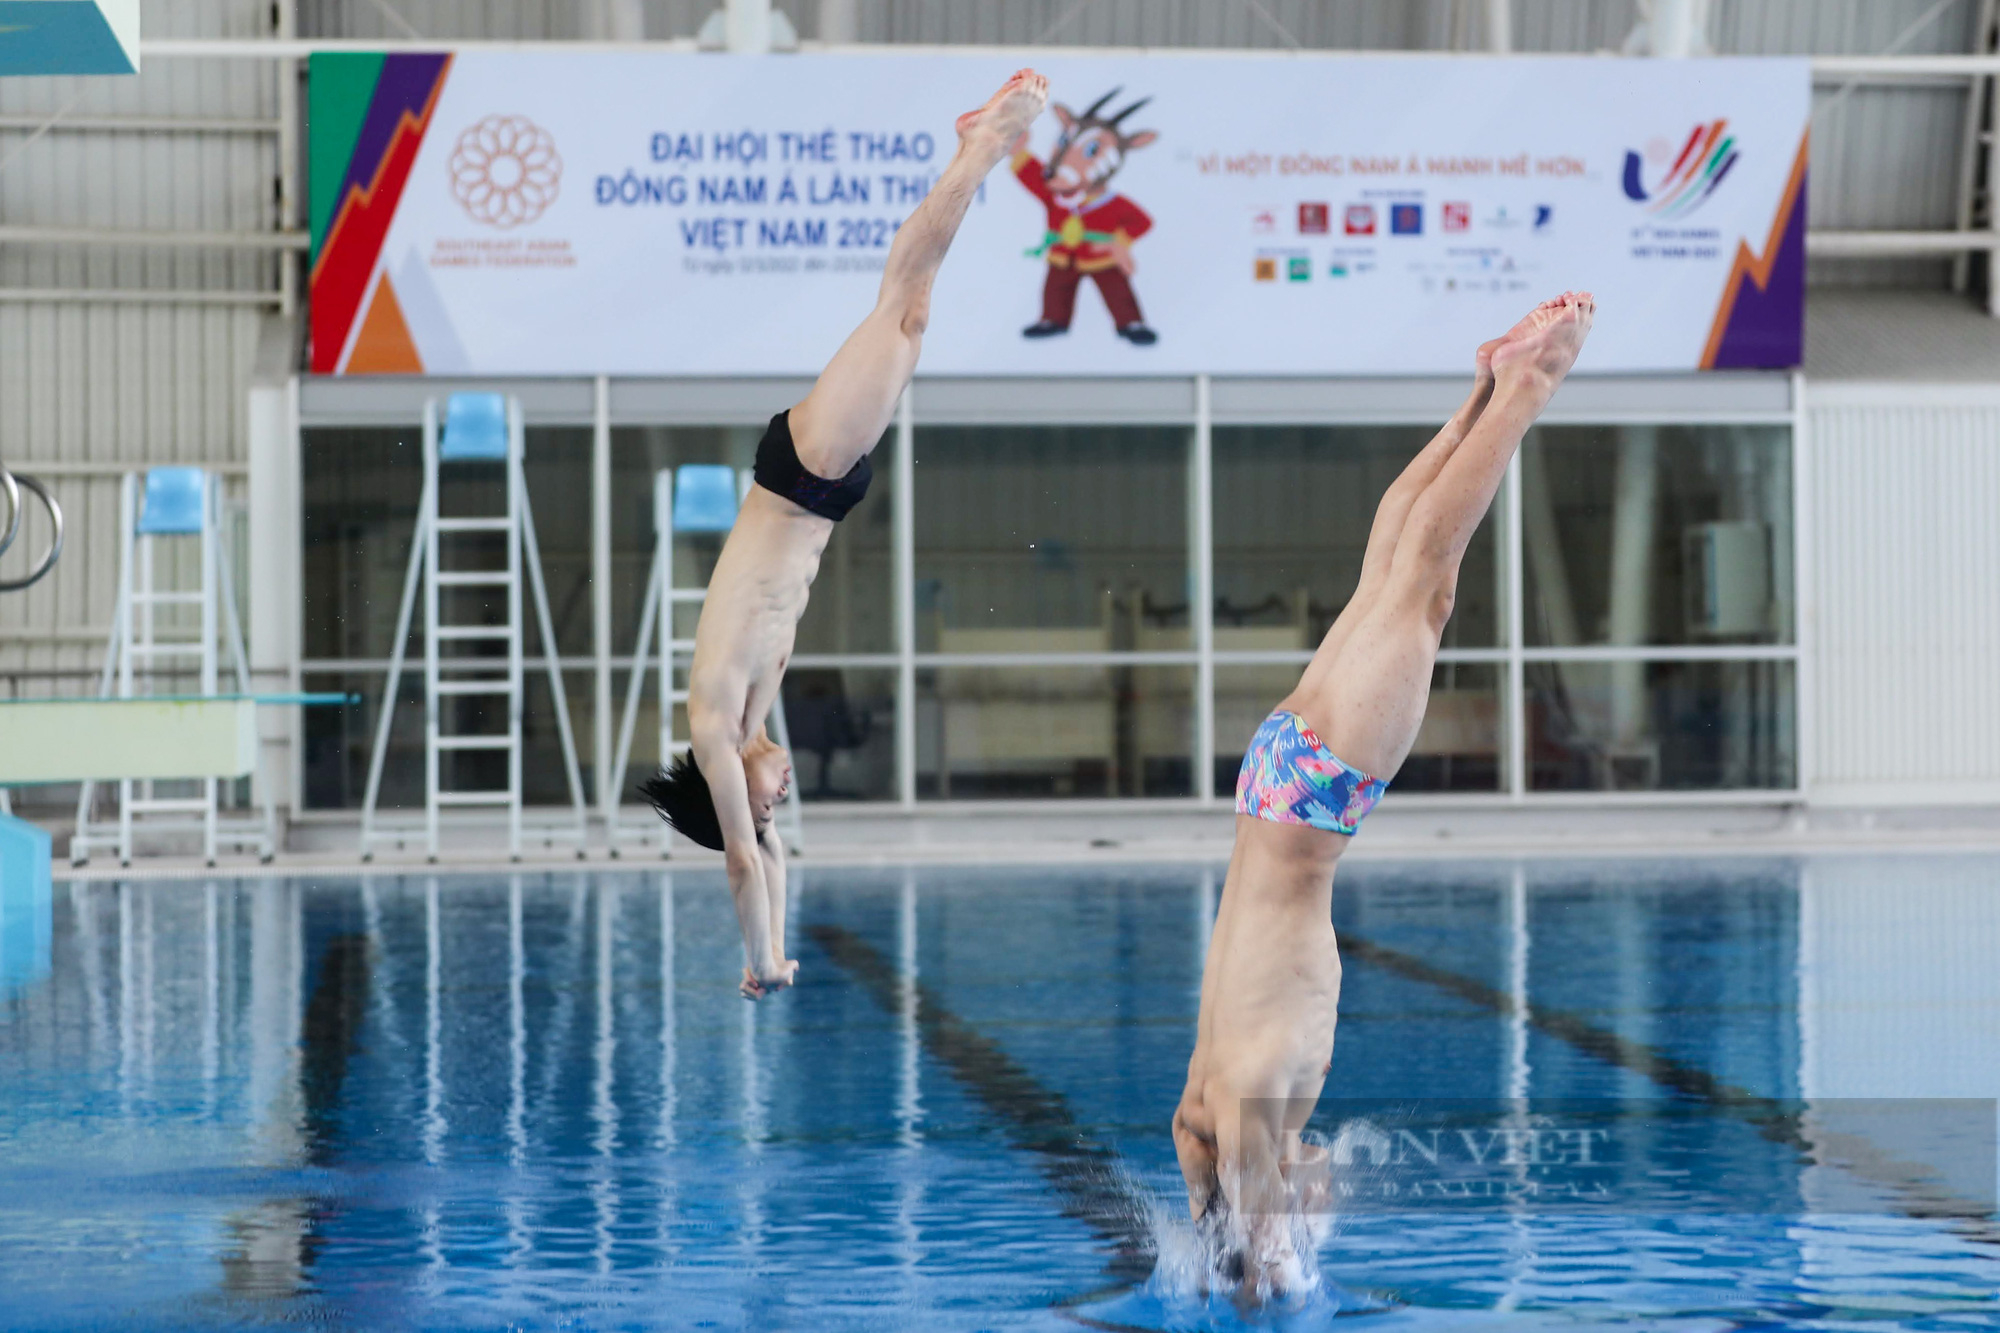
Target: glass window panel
<point>1459,747</point>
<point>843,732</point>
<point>1049,538</point>
<point>850,610</point>
<point>557,467</point>
<point>360,489</point>
<point>1061,731</point>
<point>1661,726</point>
<point>1657,534</point>
<point>339,741</point>
<point>1293,505</point>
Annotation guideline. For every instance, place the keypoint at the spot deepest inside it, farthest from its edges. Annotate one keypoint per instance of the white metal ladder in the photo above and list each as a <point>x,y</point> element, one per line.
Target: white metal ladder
<point>674,655</point>
<point>478,428</point>
<point>179,502</point>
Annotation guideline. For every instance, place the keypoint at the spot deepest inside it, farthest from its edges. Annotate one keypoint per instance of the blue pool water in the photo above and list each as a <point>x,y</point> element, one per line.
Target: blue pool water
<point>536,1102</point>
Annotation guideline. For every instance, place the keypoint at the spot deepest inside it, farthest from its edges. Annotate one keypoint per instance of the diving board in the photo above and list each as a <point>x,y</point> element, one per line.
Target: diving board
<point>102,740</point>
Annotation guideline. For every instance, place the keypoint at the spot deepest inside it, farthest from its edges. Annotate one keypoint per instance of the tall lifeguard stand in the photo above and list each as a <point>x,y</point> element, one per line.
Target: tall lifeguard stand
<point>693,498</point>
<point>478,428</point>
<point>148,635</point>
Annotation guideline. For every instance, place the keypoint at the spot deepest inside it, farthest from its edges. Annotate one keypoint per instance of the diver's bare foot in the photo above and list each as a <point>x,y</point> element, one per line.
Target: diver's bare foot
<point>1482,363</point>
<point>1007,114</point>
<point>1483,359</point>
<point>1541,349</point>
<point>1527,324</point>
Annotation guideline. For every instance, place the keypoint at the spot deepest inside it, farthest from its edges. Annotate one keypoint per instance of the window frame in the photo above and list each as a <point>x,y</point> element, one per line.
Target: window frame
<point>1198,403</point>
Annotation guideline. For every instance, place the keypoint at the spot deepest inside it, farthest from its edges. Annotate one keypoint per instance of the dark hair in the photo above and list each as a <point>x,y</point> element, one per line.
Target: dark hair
<point>680,793</point>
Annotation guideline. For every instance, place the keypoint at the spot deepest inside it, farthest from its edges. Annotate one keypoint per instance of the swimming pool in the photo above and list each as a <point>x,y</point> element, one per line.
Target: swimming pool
<point>536,1101</point>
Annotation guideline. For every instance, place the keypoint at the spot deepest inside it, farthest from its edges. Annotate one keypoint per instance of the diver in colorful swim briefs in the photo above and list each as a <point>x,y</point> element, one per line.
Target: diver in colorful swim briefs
<point>1315,768</point>
<point>812,467</point>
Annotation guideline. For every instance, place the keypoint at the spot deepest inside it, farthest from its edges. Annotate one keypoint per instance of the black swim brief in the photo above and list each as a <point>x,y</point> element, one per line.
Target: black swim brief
<point>780,472</point>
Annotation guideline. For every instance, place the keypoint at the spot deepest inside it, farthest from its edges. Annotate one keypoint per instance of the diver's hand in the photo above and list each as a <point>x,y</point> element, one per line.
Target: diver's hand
<point>778,975</point>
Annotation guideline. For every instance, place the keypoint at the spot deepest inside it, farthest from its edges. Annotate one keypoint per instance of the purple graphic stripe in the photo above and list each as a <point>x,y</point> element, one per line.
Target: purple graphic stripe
<point>406,84</point>
<point>1766,328</point>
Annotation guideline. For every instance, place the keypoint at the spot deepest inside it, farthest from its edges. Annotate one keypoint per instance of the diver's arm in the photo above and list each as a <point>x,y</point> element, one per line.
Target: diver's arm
<point>722,765</point>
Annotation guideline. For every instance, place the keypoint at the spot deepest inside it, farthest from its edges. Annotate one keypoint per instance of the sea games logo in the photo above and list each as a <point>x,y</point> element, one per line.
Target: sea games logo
<point>1703,161</point>
<point>505,171</point>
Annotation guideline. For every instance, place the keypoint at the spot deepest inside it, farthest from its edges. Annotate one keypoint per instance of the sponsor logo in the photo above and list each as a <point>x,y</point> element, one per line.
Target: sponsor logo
<point>1299,268</point>
<point>1263,220</point>
<point>1359,220</point>
<point>505,171</point>
<point>1544,214</point>
<point>1266,269</point>
<point>1315,219</point>
<point>1336,270</point>
<point>1457,216</point>
<point>1406,219</point>
<point>1689,177</point>
<point>1500,219</point>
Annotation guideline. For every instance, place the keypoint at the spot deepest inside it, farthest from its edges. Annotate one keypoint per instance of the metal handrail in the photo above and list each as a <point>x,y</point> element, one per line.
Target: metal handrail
<point>12,492</point>
<point>11,486</point>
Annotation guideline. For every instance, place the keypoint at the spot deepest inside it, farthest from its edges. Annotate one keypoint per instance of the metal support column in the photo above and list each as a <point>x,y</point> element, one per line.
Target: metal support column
<point>1201,601</point>
<point>903,556</point>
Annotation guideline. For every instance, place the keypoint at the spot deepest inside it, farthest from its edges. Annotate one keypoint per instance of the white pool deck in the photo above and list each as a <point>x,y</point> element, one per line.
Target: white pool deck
<point>1027,834</point>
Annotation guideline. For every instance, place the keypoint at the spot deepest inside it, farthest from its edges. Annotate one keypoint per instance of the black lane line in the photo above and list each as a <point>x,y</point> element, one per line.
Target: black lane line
<point>329,1037</point>
<point>1089,1180</point>
<point>1775,1120</point>
<point>280,1242</point>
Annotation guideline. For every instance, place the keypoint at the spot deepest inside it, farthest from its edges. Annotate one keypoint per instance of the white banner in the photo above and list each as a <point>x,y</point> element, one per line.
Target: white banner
<point>551,213</point>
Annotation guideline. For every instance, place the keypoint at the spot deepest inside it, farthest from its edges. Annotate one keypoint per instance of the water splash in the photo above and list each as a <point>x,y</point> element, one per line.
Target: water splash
<point>1201,1281</point>
<point>1198,1283</point>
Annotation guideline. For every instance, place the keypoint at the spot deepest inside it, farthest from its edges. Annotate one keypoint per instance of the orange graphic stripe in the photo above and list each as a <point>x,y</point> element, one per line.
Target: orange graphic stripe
<point>1756,268</point>
<point>383,345</point>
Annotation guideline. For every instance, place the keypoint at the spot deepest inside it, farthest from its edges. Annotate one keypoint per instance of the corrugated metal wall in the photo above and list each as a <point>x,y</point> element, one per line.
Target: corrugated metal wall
<point>1904,504</point>
<point>116,357</point>
<point>92,381</point>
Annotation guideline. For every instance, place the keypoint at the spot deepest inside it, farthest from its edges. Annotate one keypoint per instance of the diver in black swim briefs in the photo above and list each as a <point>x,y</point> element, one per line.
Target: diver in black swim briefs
<point>812,467</point>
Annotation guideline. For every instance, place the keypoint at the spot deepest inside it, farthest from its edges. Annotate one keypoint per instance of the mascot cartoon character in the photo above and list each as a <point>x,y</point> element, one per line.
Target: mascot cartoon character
<point>1090,228</point>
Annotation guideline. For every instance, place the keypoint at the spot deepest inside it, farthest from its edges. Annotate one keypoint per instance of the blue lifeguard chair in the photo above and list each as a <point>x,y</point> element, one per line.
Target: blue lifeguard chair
<point>151,638</point>
<point>478,428</point>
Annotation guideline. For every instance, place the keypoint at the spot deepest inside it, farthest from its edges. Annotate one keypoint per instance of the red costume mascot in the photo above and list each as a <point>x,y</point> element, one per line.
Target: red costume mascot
<point>1090,230</point>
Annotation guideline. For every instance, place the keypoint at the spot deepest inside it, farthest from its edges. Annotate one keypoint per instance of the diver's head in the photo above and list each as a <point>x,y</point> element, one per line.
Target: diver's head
<point>767,768</point>
<point>680,792</point>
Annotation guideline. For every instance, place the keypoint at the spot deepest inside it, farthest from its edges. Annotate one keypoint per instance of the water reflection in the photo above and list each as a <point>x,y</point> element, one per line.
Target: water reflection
<point>468,1102</point>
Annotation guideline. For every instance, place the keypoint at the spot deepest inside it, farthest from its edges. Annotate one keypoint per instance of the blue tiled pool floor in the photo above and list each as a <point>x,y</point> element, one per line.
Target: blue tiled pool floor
<point>537,1102</point>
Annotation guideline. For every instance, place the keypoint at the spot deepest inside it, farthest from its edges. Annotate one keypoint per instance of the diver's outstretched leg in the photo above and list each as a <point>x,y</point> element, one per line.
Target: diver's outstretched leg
<point>851,403</point>
<point>1369,702</point>
<point>1394,507</point>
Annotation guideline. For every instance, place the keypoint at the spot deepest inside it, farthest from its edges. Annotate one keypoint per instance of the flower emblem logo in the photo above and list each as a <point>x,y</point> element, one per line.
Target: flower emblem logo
<point>505,171</point>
